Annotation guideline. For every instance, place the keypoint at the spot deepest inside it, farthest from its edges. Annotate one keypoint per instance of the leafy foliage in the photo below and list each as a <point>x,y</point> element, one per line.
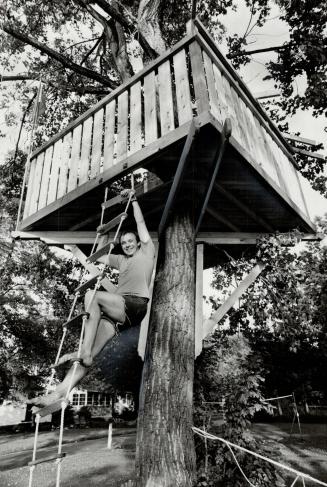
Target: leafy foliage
<point>230,373</point>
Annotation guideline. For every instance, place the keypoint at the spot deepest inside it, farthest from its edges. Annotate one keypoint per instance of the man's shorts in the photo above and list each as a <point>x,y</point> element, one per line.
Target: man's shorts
<point>135,308</point>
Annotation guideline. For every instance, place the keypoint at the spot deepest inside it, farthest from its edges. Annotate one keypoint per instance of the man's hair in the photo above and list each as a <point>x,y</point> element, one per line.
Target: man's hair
<point>125,232</point>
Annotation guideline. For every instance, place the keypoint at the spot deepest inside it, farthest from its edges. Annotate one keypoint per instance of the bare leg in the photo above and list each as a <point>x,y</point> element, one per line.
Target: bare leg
<point>114,307</point>
<point>105,332</point>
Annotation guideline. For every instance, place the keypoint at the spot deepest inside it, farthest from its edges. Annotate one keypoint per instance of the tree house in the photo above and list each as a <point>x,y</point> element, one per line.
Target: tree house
<point>170,119</point>
<point>143,124</point>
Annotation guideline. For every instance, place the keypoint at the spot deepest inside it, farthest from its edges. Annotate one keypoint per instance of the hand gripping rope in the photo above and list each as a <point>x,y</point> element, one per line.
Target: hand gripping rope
<point>62,404</point>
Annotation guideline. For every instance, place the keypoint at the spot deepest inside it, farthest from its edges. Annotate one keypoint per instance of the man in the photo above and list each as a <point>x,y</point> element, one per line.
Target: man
<point>126,307</point>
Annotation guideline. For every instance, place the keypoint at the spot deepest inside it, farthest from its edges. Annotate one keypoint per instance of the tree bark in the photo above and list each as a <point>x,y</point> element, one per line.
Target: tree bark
<point>149,28</point>
<point>165,455</point>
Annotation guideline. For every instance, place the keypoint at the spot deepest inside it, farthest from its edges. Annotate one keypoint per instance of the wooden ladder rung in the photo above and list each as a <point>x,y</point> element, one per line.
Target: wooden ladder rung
<point>76,320</point>
<point>99,253</point>
<point>47,459</point>
<point>102,229</point>
<point>87,284</point>
<point>116,200</point>
<point>52,408</point>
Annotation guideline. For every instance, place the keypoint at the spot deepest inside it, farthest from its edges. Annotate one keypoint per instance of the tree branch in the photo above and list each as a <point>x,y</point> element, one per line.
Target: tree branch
<point>66,62</point>
<point>85,89</point>
<point>256,51</point>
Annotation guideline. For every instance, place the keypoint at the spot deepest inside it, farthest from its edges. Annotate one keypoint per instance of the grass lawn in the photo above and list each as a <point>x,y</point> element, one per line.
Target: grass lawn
<point>89,463</point>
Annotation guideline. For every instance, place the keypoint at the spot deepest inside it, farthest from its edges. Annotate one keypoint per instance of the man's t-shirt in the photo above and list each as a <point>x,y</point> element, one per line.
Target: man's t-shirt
<point>135,272</point>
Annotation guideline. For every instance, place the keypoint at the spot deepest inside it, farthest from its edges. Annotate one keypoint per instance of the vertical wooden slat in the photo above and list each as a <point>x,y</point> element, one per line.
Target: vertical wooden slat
<point>45,178</point>
<point>122,126</point>
<point>213,98</point>
<point>257,154</point>
<point>248,128</point>
<point>135,118</point>
<point>231,110</point>
<point>54,175</point>
<point>37,182</point>
<point>198,75</point>
<point>85,151</point>
<point>97,143</point>
<point>239,116</point>
<point>182,86</point>
<point>271,147</point>
<point>260,143</point>
<point>75,158</point>
<point>30,188</point>
<point>220,93</point>
<point>199,300</point>
<point>109,135</point>
<point>270,166</point>
<point>165,98</point>
<point>65,155</point>
<point>150,108</point>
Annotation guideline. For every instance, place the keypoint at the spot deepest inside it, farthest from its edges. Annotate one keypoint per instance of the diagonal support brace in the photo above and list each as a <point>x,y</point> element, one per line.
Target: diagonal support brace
<point>225,135</point>
<point>209,325</point>
<point>178,178</point>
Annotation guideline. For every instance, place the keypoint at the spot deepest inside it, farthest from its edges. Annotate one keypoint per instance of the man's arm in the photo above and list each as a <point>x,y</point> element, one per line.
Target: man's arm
<point>140,223</point>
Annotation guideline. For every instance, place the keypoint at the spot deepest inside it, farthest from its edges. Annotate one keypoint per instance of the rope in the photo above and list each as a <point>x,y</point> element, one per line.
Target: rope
<point>262,457</point>
<point>279,397</point>
<point>64,402</point>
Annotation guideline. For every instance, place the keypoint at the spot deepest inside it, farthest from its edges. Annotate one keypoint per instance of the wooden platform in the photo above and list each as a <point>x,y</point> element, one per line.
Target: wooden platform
<point>258,187</point>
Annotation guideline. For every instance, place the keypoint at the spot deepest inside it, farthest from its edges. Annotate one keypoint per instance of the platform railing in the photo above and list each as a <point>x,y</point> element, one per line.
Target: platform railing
<point>191,78</point>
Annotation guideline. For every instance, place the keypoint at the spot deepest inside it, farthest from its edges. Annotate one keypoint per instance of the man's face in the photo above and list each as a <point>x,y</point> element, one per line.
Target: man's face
<point>129,244</point>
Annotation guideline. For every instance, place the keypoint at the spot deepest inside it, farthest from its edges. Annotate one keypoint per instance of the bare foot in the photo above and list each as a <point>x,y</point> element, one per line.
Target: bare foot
<point>43,401</point>
<point>86,359</point>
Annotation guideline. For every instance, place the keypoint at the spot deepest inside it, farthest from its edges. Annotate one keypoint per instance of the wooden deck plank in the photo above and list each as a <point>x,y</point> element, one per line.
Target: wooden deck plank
<point>109,136</point>
<point>213,98</point>
<point>165,98</point>
<point>45,178</point>
<point>37,182</point>
<point>54,174</point>
<point>135,118</point>
<point>29,188</point>
<point>182,85</point>
<point>97,143</point>
<point>198,75</point>
<point>122,126</point>
<point>150,109</point>
<point>74,158</point>
<point>85,151</point>
<point>64,166</point>
<point>220,94</point>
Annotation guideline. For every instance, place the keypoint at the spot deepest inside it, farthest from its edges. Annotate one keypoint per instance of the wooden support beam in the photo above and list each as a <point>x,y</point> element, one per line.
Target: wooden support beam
<point>302,140</point>
<point>243,207</point>
<point>198,300</point>
<point>209,325</point>
<point>225,135</point>
<point>218,238</point>
<point>178,178</point>
<point>308,153</point>
<point>221,219</point>
<point>145,322</point>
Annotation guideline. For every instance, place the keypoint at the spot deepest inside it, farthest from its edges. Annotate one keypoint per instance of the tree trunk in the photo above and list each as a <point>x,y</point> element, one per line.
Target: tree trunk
<point>149,28</point>
<point>165,453</point>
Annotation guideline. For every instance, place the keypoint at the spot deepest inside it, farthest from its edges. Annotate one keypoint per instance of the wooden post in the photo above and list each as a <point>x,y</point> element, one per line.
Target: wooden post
<point>165,453</point>
<point>199,300</point>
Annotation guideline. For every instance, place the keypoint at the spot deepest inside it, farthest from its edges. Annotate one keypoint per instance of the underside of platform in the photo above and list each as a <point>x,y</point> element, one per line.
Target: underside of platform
<point>243,199</point>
